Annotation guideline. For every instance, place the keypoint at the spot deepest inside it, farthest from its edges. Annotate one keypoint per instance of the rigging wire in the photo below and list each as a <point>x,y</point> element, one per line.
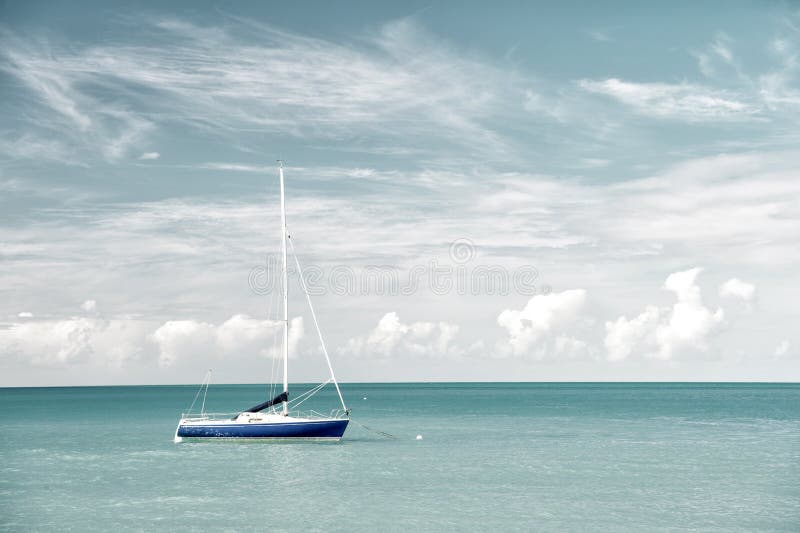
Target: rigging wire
<point>203,407</point>
<point>308,394</point>
<point>197,395</point>
<point>316,324</point>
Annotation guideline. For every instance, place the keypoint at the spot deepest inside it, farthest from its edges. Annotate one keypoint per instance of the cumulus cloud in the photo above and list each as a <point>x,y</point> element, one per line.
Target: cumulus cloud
<point>663,333</point>
<point>89,306</point>
<point>181,338</point>
<point>296,332</point>
<point>394,338</point>
<point>623,335</point>
<point>104,342</point>
<point>540,329</point>
<point>59,342</point>
<point>736,288</point>
<point>690,322</point>
<point>25,314</point>
<point>149,156</point>
<point>240,335</point>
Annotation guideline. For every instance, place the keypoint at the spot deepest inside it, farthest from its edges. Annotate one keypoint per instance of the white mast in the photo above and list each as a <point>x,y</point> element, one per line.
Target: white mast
<point>285,295</point>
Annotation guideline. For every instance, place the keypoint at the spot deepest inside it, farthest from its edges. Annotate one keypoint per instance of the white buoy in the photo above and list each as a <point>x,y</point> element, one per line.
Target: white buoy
<point>419,437</point>
<point>365,398</point>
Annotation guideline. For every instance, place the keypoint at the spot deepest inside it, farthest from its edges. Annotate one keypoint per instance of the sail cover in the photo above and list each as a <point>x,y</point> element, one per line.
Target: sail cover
<point>282,397</point>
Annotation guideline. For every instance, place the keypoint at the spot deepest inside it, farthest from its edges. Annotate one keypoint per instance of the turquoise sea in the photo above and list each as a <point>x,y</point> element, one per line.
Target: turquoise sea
<point>494,456</point>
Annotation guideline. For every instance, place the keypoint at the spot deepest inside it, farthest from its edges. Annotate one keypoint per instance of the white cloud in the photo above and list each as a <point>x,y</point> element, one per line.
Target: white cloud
<point>178,339</point>
<point>593,162</point>
<point>778,86</point>
<point>60,342</point>
<point>25,314</point>
<point>54,90</point>
<point>238,167</point>
<point>736,288</point>
<point>717,54</point>
<point>690,322</point>
<point>149,156</point>
<point>778,91</point>
<point>623,335</point>
<point>240,332</point>
<point>705,63</point>
<point>394,338</point>
<point>722,50</point>
<point>599,36</point>
<point>101,343</point>
<point>665,333</point>
<point>730,208</point>
<point>296,332</point>
<point>239,336</point>
<point>30,146</point>
<point>89,306</point>
<point>684,101</point>
<point>539,330</point>
<point>782,349</point>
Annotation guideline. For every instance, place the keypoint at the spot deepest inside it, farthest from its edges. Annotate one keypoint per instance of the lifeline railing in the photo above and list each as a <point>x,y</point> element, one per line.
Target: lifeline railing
<point>310,414</point>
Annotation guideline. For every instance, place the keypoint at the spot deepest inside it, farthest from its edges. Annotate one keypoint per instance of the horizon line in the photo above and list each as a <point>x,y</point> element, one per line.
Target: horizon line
<point>621,382</point>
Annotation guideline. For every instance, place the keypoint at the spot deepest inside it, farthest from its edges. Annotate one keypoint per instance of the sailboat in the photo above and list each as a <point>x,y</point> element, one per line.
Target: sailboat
<point>274,418</point>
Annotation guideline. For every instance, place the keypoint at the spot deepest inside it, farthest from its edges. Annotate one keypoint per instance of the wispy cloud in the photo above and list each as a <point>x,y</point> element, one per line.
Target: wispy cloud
<point>717,56</point>
<point>692,103</point>
<point>740,209</point>
<point>599,36</point>
<point>34,147</point>
<point>68,109</point>
<point>771,85</point>
<point>398,91</point>
<point>778,86</point>
<point>400,83</point>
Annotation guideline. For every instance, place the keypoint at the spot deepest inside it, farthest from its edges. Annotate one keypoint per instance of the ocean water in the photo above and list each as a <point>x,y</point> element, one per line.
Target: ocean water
<point>507,457</point>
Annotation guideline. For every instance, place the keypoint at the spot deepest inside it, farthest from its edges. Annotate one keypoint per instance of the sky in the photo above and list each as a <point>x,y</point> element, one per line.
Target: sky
<point>516,192</point>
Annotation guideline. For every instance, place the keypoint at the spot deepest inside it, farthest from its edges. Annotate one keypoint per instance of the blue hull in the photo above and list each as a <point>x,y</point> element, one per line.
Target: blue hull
<point>322,429</point>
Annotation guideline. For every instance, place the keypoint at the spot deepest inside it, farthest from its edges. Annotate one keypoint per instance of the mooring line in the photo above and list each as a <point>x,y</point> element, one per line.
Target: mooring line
<point>382,433</point>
